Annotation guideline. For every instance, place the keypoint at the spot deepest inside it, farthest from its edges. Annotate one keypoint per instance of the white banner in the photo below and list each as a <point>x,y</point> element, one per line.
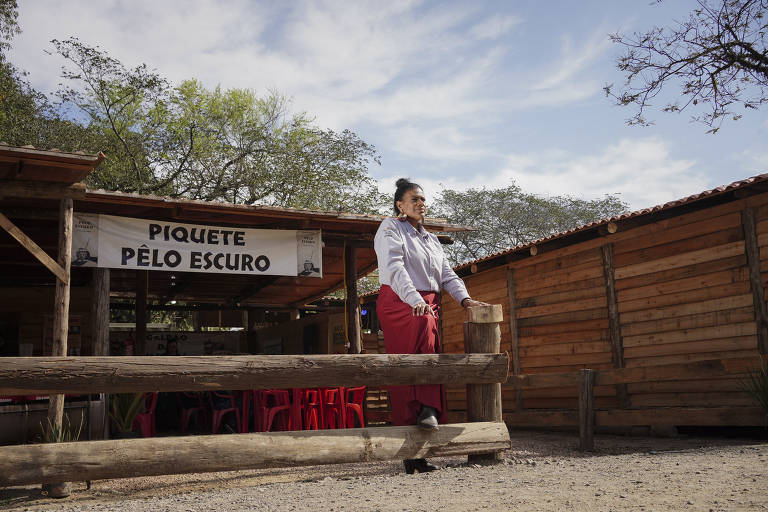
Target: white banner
<point>121,242</point>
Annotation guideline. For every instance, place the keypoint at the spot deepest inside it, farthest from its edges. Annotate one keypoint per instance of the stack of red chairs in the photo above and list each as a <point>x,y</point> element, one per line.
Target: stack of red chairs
<point>279,413</point>
<point>354,398</point>
<point>218,414</point>
<point>191,404</point>
<point>333,407</point>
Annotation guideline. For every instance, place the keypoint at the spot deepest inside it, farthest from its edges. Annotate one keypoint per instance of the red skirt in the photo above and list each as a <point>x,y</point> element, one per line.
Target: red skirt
<point>408,334</point>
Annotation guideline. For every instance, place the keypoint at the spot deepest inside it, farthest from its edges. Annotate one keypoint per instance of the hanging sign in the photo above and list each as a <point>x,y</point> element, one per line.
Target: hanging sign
<point>121,242</point>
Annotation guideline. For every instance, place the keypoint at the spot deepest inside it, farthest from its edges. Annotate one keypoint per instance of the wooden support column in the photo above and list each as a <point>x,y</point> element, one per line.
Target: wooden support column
<point>100,335</point>
<point>586,409</point>
<point>752,250</point>
<point>352,303</point>
<point>482,334</point>
<point>142,289</point>
<point>61,325</point>
<point>617,344</point>
<point>514,331</point>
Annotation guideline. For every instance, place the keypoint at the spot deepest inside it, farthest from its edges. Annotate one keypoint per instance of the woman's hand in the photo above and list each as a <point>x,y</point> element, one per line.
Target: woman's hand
<point>422,309</point>
<point>470,303</point>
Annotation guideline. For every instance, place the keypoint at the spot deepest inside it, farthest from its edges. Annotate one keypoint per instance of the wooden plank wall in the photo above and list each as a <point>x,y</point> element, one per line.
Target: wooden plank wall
<point>672,291</point>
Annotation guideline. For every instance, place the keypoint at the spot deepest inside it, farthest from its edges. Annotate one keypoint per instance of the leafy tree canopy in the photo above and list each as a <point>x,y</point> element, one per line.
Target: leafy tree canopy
<point>718,58</point>
<point>507,217</point>
<point>217,144</point>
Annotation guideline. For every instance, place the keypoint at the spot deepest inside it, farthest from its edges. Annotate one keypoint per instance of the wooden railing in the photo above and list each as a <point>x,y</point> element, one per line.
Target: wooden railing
<point>486,437</point>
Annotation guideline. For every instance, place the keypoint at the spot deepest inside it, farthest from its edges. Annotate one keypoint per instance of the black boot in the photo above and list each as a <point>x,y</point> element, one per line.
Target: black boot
<point>420,465</point>
<point>427,419</point>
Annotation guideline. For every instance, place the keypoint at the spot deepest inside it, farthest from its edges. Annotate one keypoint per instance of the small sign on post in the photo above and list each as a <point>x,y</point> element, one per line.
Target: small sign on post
<point>482,334</point>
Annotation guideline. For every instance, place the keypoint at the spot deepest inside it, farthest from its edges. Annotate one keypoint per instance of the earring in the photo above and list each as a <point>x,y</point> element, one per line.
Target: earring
<point>402,217</point>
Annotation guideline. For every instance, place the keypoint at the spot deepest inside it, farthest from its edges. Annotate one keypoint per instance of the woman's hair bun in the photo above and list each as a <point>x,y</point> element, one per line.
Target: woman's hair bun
<point>402,182</point>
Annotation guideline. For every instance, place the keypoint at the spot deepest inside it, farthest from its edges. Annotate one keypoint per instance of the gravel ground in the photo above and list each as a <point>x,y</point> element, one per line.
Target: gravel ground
<point>543,471</point>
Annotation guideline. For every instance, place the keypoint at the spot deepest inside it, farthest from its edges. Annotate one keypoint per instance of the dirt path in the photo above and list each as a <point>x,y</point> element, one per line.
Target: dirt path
<point>542,472</point>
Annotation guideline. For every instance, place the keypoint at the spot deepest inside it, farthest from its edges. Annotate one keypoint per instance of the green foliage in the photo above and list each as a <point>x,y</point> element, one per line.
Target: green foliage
<point>64,434</point>
<point>123,409</point>
<point>756,384</point>
<point>718,59</point>
<point>507,217</point>
<point>229,145</point>
<point>9,26</point>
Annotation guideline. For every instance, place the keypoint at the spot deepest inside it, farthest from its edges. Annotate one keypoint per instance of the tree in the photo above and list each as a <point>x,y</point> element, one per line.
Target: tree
<point>9,26</point>
<point>231,145</point>
<point>718,58</point>
<point>507,217</point>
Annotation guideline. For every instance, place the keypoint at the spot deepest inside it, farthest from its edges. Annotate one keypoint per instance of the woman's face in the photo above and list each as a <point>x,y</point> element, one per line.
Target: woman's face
<point>414,204</point>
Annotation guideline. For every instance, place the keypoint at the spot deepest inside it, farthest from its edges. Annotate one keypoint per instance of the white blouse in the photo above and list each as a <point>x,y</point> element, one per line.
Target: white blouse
<point>412,260</point>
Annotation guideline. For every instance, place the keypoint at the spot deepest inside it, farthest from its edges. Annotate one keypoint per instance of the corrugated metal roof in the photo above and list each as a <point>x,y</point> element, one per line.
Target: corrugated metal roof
<point>745,183</point>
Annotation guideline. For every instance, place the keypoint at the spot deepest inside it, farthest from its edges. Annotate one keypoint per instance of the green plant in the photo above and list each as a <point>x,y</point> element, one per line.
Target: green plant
<point>756,384</point>
<point>124,408</point>
<point>61,434</point>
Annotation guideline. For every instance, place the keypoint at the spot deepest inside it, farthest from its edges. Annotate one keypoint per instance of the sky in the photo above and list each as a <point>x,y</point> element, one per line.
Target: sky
<point>453,94</point>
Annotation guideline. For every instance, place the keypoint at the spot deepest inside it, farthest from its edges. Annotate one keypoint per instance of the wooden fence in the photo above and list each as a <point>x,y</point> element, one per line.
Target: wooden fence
<point>483,373</point>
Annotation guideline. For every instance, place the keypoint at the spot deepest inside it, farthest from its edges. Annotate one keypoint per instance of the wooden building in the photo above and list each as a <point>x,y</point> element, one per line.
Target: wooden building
<point>677,283</point>
<point>34,182</point>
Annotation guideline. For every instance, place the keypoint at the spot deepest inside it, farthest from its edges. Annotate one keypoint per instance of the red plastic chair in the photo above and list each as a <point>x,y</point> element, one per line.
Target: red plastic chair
<point>354,399</point>
<point>333,407</point>
<point>312,410</point>
<point>278,410</point>
<point>196,409</point>
<point>218,414</point>
<point>146,420</point>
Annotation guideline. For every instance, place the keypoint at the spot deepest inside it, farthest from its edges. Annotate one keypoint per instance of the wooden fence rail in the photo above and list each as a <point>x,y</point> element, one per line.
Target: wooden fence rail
<point>94,374</point>
<point>91,460</point>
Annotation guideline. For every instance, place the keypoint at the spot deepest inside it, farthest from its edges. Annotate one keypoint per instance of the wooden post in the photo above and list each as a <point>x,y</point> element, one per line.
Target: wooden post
<point>752,250</point>
<point>617,344</point>
<point>352,303</point>
<point>100,335</point>
<point>586,409</point>
<point>483,335</point>
<point>142,289</point>
<point>25,464</point>
<point>61,326</point>
<point>514,334</point>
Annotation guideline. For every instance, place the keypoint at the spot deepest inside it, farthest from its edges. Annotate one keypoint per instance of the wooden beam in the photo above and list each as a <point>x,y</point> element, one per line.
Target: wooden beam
<point>34,249</point>
<point>36,189</point>
<point>514,331</point>
<point>586,409</point>
<point>61,323</point>
<point>755,280</point>
<point>127,374</point>
<point>610,377</point>
<point>142,290</point>
<point>617,346</point>
<point>52,462</point>
<point>351,301</point>
<point>255,286</point>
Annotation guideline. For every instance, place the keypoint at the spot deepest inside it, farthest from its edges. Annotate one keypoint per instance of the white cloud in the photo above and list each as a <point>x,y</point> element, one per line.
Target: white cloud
<point>494,27</point>
<point>642,172</point>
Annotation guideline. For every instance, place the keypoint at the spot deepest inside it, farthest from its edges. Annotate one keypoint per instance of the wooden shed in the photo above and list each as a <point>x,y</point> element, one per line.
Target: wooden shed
<point>677,283</point>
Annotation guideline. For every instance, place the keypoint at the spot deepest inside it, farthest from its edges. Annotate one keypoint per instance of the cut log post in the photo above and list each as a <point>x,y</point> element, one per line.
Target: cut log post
<point>60,489</point>
<point>100,336</point>
<point>92,460</point>
<point>142,290</point>
<point>135,374</point>
<point>352,302</point>
<point>482,334</point>
<point>586,409</point>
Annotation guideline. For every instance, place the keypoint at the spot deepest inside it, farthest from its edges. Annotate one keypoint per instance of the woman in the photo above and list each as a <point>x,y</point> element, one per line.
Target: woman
<point>412,271</point>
